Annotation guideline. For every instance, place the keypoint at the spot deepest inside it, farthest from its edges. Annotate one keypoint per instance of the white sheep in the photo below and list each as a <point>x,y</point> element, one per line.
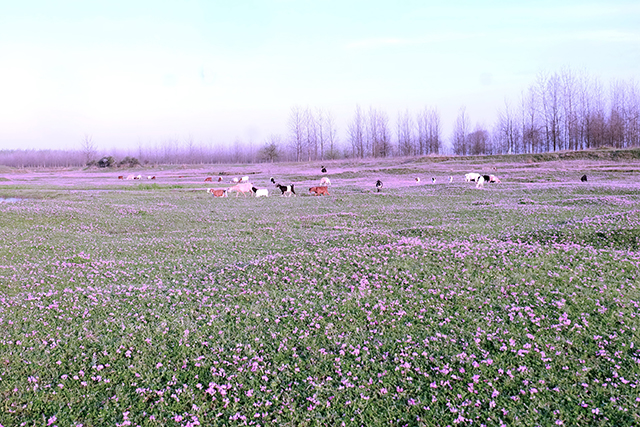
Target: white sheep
<point>325,181</point>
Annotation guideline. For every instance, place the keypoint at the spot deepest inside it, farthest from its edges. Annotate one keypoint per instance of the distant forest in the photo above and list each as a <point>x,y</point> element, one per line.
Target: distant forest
<point>560,111</point>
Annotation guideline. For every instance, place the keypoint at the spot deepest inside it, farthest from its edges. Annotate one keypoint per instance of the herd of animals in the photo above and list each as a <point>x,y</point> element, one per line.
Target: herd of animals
<point>242,185</point>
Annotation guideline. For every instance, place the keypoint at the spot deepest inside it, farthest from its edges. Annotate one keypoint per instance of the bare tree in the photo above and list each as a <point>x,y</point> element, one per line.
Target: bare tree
<point>550,89</point>
<point>296,132</point>
<point>617,122</point>
<point>405,134</point>
<point>433,131</point>
<point>382,141</point>
<point>310,134</point>
<point>460,132</point>
<point>330,136</point>
<point>570,125</point>
<point>632,117</point>
<point>507,130</point>
<point>357,134</point>
<point>88,148</point>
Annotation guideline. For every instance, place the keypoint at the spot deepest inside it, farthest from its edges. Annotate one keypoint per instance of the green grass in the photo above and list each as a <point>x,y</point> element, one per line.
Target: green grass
<point>422,305</point>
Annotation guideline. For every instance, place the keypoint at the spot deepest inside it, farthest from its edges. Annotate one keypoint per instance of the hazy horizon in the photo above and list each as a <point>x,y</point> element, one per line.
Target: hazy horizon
<point>141,73</point>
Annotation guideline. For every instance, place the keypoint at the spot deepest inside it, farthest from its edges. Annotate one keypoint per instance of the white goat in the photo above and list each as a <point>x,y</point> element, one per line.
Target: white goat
<point>260,192</point>
<point>472,176</point>
<point>243,188</point>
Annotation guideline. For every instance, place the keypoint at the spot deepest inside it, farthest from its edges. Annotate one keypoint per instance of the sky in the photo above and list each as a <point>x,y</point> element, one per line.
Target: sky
<point>136,72</point>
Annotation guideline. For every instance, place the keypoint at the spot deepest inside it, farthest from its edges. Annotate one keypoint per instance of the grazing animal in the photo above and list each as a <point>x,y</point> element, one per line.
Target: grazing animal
<point>487,178</point>
<point>584,178</point>
<point>137,177</point>
<point>417,179</point>
<point>450,179</point>
<point>153,177</point>
<point>287,189</point>
<point>273,181</point>
<point>480,183</point>
<point>325,181</point>
<point>208,179</point>
<point>493,178</point>
<point>244,179</point>
<point>378,185</point>
<point>433,180</point>
<point>121,177</point>
<point>219,179</point>
<point>259,192</point>
<point>217,192</point>
<point>319,191</point>
<point>472,176</point>
<point>235,180</point>
<point>323,170</point>
<point>243,188</point>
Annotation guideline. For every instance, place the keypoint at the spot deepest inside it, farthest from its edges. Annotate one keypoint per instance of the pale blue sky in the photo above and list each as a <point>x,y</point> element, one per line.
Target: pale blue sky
<point>130,72</point>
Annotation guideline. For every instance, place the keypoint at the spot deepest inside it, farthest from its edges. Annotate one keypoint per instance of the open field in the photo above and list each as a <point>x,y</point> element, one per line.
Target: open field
<point>152,303</point>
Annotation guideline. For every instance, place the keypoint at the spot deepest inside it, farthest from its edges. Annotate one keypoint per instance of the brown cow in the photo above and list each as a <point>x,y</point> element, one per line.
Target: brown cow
<point>217,192</point>
<point>208,179</point>
<point>319,191</point>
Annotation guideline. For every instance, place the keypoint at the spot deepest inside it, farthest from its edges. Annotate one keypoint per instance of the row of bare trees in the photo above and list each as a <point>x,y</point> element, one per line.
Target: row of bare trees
<point>560,111</point>
<point>312,135</point>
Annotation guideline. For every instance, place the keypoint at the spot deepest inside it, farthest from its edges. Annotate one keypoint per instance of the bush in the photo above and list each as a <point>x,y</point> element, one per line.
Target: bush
<point>106,162</point>
<point>129,162</point>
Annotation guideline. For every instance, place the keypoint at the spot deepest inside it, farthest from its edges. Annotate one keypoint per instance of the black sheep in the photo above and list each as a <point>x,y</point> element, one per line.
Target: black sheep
<point>584,178</point>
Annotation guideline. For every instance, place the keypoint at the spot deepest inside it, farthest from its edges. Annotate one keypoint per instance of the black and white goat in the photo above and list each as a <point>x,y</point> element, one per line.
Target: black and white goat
<point>287,190</point>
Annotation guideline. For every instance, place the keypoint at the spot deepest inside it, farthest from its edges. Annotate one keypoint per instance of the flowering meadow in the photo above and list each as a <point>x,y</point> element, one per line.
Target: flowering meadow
<point>425,304</point>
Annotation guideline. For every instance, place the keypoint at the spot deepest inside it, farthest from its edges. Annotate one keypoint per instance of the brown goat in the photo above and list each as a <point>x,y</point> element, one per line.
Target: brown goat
<point>217,192</point>
<point>319,191</point>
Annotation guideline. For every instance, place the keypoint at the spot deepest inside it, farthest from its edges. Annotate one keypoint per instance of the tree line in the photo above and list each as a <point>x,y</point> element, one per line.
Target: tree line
<point>559,111</point>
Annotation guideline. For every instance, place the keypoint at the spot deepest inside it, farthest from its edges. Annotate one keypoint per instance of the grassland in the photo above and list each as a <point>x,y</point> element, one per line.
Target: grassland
<point>129,303</point>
